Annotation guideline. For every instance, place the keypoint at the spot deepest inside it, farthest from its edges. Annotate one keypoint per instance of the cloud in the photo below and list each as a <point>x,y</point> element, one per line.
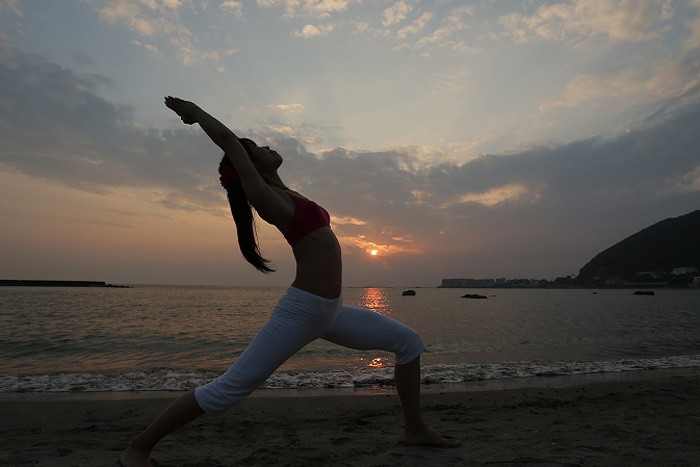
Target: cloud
<point>12,6</point>
<point>232,6</point>
<point>396,13</point>
<point>99,141</point>
<point>311,8</point>
<point>423,39</point>
<point>454,23</point>
<point>290,108</point>
<point>309,31</point>
<point>525,208</point>
<point>150,47</point>
<point>672,77</point>
<point>67,133</point>
<point>693,41</point>
<point>416,26</point>
<point>325,7</point>
<point>619,20</point>
<point>498,195</point>
<point>162,20</point>
<point>589,87</point>
<point>566,201</point>
<point>132,14</point>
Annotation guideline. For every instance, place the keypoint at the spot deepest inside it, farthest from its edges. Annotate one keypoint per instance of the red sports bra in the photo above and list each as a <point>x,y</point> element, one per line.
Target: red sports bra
<point>308,216</point>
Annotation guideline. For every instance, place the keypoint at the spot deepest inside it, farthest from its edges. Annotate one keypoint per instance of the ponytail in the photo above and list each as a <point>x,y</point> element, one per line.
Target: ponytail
<point>242,216</point>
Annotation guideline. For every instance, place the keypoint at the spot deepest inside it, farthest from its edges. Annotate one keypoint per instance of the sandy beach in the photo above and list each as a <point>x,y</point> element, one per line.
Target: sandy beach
<point>650,419</point>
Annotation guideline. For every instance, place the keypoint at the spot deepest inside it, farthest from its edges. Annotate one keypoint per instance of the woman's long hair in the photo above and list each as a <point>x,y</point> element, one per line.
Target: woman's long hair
<point>243,217</point>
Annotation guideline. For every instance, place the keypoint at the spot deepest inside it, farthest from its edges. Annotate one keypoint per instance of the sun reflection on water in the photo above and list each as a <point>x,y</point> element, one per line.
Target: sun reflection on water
<point>375,299</point>
<point>379,362</point>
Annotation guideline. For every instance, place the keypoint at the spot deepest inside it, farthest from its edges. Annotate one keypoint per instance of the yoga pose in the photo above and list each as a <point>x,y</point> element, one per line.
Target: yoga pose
<point>312,307</point>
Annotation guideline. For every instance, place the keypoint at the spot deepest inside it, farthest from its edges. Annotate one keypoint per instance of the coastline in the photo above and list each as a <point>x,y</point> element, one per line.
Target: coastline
<point>514,383</point>
<point>641,418</point>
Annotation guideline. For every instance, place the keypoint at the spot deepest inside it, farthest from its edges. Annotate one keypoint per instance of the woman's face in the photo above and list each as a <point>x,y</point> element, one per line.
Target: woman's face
<point>265,159</point>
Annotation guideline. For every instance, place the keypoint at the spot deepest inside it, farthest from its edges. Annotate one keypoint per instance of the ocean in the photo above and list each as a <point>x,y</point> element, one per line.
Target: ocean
<point>174,338</point>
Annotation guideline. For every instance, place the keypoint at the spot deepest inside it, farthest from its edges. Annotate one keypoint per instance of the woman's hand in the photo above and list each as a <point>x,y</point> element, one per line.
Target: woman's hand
<point>189,112</point>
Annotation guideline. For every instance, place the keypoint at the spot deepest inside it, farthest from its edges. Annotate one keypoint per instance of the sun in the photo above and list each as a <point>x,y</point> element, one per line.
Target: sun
<point>373,252</point>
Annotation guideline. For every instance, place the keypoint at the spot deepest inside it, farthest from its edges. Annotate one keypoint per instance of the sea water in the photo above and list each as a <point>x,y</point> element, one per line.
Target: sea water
<point>158,338</point>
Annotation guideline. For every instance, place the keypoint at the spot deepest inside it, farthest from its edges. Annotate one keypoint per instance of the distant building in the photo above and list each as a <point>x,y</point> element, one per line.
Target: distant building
<point>651,275</point>
<point>462,283</point>
<point>684,271</point>
<point>614,281</point>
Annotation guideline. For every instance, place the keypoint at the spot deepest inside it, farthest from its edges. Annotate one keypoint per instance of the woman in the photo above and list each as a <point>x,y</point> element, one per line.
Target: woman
<point>312,308</point>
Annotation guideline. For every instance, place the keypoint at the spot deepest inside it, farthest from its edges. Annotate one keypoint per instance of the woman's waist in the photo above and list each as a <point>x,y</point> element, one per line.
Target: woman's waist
<point>321,275</point>
<point>319,264</point>
<point>295,292</point>
<point>318,253</point>
<point>327,284</point>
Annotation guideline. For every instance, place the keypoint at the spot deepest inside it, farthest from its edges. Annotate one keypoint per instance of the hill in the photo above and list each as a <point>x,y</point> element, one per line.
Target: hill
<point>671,243</point>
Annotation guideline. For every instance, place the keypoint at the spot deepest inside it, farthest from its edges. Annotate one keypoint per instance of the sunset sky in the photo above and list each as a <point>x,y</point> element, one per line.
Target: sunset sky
<point>457,139</point>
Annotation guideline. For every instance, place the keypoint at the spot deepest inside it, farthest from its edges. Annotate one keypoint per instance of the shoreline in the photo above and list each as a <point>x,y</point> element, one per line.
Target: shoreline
<point>649,418</point>
<point>555,381</point>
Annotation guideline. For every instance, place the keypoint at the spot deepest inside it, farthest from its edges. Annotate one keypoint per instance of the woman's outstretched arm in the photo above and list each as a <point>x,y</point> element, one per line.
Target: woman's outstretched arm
<point>220,134</point>
<point>260,195</point>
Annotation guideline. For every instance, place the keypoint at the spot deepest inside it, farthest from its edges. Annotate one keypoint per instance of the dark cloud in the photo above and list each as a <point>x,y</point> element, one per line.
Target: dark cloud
<point>54,125</point>
<point>545,210</point>
<point>540,210</point>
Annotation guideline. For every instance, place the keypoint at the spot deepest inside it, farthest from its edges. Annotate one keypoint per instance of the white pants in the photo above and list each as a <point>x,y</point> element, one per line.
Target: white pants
<point>299,318</point>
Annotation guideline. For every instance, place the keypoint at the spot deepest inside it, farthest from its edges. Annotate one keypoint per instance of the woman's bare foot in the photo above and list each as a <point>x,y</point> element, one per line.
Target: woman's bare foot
<point>133,458</point>
<point>427,437</point>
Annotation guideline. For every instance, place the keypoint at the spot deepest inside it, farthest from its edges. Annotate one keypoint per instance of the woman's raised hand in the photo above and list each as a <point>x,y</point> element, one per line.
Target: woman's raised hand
<point>189,112</point>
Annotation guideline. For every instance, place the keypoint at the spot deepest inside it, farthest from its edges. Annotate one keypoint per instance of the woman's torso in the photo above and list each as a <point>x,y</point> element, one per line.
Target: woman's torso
<point>318,263</point>
<point>317,251</point>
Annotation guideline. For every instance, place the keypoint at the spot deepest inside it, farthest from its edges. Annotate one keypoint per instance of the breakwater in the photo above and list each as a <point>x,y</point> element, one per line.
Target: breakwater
<point>45,283</point>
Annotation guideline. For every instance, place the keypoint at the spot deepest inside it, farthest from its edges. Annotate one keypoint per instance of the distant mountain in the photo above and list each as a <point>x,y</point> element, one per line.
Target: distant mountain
<point>671,243</point>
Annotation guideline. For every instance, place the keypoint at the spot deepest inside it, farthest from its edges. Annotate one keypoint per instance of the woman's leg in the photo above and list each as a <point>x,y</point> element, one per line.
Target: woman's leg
<point>294,322</point>
<point>407,380</point>
<point>360,328</point>
<point>298,319</point>
<point>183,410</point>
<point>276,341</point>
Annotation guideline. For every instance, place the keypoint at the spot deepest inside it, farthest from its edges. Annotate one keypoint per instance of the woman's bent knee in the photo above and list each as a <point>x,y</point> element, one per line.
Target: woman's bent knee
<point>213,398</point>
<point>410,348</point>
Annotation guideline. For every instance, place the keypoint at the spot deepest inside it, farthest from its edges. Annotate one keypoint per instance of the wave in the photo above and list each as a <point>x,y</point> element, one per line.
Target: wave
<point>166,379</point>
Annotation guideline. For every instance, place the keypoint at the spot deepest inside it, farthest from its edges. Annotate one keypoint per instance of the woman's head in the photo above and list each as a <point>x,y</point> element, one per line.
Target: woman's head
<point>265,160</point>
<point>248,144</point>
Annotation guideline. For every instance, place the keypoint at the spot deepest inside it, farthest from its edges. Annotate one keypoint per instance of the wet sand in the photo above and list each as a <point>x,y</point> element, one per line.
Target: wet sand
<point>652,419</point>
